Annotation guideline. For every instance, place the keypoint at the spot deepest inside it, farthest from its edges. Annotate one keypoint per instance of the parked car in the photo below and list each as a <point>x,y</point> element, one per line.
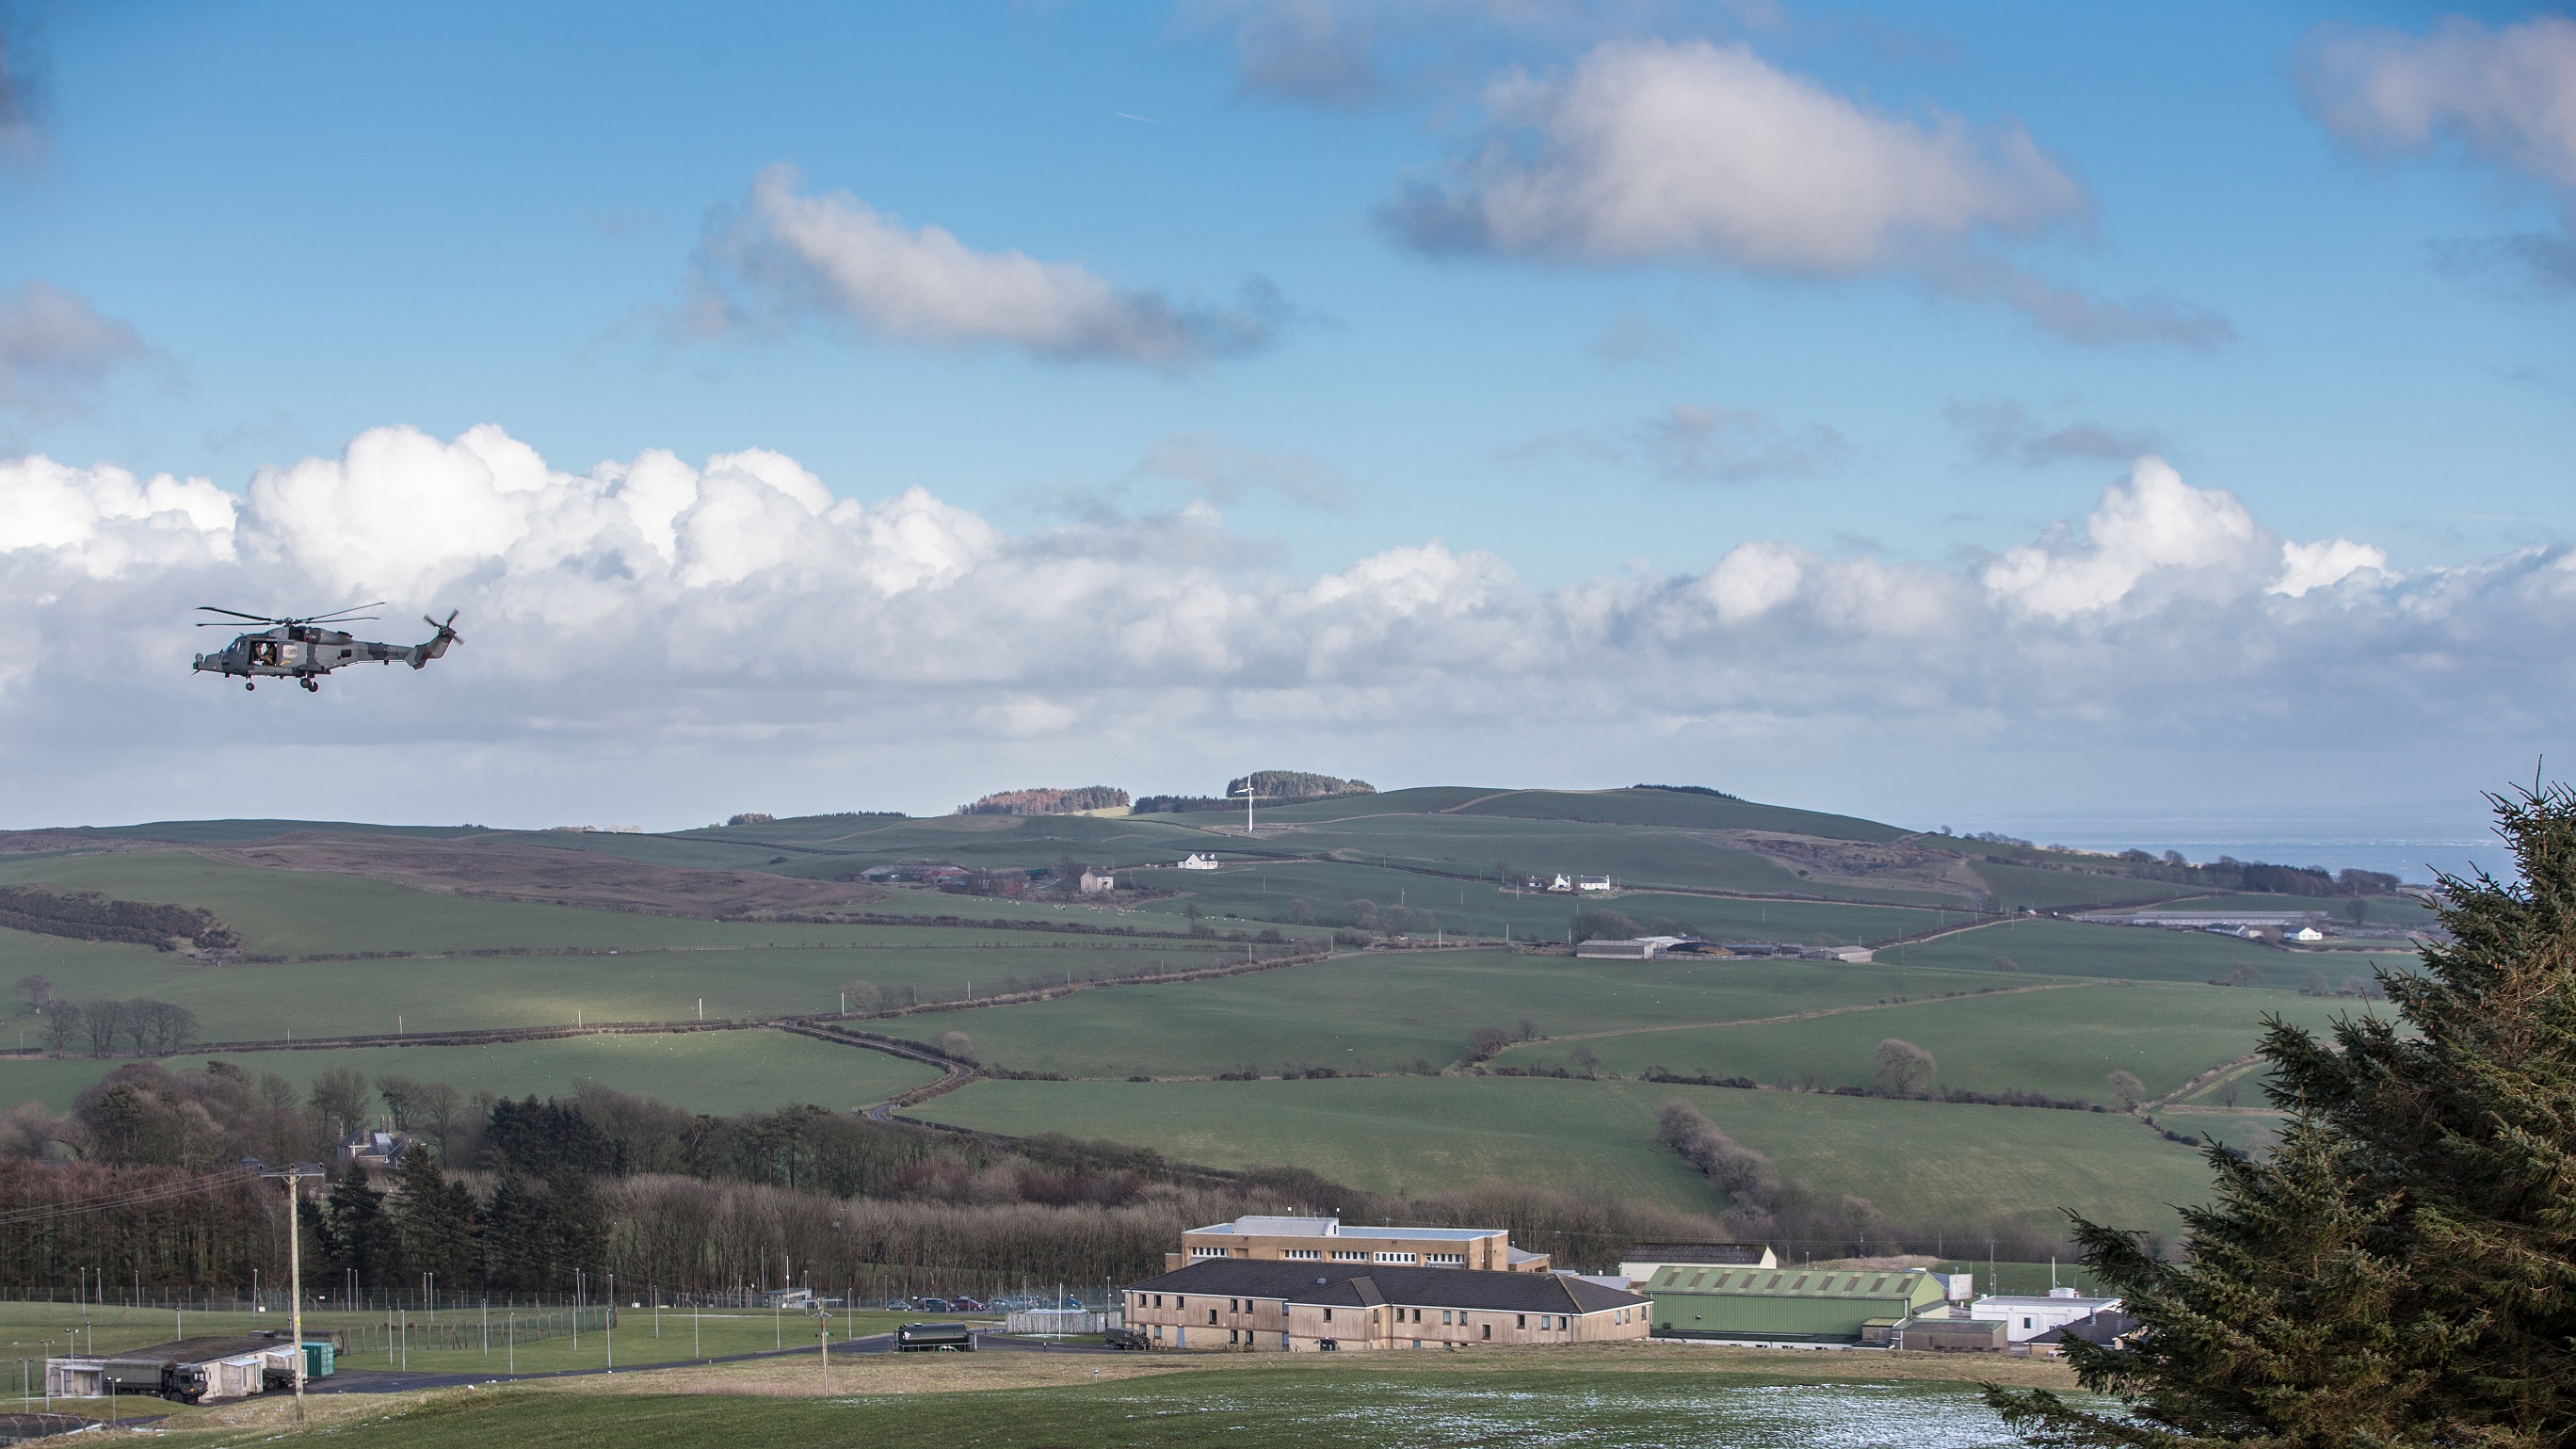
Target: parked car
<point>932,1305</point>
<point>966,1305</point>
<point>899,1305</point>
<point>1124,1338</point>
<point>1073,1303</point>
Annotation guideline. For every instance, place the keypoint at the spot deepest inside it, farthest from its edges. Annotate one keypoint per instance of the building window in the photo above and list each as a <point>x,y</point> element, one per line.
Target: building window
<point>1211,1317</point>
<point>1158,1300</point>
<point>1444,1315</point>
<point>1328,1315</point>
<point>1489,1330</point>
<point>1303,1255</point>
<point>1446,1259</point>
<point>1521,1320</point>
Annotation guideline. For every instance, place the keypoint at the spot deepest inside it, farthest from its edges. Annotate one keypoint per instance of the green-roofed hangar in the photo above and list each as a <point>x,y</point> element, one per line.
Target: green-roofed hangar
<point>1820,1306</point>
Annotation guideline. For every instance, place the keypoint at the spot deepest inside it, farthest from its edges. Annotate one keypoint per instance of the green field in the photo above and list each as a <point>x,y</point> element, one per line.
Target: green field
<point>1382,1011</point>
<point>2128,953</point>
<point>280,912</point>
<point>342,998</point>
<point>719,1072</point>
<point>1262,890</point>
<point>1415,1135</point>
<point>1386,1014</point>
<point>2061,1042</point>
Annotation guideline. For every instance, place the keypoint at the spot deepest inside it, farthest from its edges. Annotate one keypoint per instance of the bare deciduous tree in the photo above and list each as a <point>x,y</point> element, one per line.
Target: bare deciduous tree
<point>1904,1067</point>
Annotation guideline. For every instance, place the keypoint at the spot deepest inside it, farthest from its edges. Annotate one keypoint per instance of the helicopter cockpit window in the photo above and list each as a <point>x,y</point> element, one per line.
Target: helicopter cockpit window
<point>263,651</point>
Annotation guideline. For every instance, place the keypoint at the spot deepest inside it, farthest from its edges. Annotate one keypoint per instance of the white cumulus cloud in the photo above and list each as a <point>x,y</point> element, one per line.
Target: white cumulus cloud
<point>2307,566</point>
<point>789,254</point>
<point>646,634</point>
<point>1650,150</point>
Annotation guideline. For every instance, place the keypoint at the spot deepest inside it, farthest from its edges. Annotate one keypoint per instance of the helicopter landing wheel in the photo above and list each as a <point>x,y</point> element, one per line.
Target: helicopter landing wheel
<point>249,684</point>
<point>311,686</point>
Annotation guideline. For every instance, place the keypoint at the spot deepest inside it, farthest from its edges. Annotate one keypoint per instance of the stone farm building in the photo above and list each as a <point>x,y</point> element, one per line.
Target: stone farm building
<point>1254,1306</point>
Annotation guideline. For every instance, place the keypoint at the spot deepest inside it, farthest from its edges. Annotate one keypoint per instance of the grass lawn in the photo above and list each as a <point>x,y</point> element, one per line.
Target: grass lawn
<point>1398,1134</point>
<point>28,1331</point>
<point>1623,1395</point>
<point>716,1072</point>
<point>2062,1042</point>
<point>338,998</point>
<point>1383,1011</point>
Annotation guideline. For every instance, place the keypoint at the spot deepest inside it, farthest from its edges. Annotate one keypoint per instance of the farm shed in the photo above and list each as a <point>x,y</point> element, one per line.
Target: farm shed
<point>1786,1305</point>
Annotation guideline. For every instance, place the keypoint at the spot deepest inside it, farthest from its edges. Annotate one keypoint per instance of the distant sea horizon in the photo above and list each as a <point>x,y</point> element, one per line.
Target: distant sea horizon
<point>2408,842</point>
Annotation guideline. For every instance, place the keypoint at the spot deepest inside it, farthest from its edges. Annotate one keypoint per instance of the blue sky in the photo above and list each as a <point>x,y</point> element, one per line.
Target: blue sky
<point>1247,295</point>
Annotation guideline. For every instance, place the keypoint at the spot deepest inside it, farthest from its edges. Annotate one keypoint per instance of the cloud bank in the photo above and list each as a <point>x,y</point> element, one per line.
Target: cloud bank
<point>1648,151</point>
<point>785,256</point>
<point>2504,95</point>
<point>733,619</point>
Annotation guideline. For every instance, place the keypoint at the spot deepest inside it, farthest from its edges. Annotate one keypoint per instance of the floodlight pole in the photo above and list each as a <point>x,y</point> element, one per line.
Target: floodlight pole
<point>291,1174</point>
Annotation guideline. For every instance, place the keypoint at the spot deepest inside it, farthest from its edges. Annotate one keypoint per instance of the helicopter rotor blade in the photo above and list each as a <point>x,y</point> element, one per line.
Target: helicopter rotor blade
<point>236,613</point>
<point>348,615</point>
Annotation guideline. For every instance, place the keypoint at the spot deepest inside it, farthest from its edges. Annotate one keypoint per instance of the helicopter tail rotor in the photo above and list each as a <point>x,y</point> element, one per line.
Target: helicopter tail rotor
<point>438,643</point>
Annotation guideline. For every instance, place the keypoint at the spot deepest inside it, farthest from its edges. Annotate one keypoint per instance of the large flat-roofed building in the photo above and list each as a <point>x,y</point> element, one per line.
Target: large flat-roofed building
<point>1329,1241</point>
<point>1822,1306</point>
<point>1253,1306</point>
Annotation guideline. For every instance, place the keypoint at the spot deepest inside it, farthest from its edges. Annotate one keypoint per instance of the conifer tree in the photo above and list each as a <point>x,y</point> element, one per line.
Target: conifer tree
<point>2401,1269</point>
<point>437,1221</point>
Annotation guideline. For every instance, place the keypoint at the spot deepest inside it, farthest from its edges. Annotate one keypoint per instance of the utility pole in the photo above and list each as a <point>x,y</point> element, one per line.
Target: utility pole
<point>291,1174</point>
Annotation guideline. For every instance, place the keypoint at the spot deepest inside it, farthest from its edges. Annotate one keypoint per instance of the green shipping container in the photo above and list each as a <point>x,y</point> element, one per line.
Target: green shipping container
<point>317,1360</point>
<point>1803,1305</point>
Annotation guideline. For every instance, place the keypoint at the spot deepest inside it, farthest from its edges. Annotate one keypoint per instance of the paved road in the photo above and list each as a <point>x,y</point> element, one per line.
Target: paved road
<point>395,1381</point>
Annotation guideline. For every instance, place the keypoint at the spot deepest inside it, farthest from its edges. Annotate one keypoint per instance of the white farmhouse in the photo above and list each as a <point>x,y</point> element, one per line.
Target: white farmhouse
<point>1198,862</point>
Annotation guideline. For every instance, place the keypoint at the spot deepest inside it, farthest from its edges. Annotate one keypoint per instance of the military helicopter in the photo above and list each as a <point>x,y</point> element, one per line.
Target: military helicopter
<point>301,649</point>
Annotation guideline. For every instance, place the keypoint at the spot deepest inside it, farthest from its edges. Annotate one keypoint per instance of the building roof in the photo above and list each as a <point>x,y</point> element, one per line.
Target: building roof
<point>1790,1282</point>
<point>1364,1285</point>
<point>1280,1227</point>
<point>197,1350</point>
<point>1740,1255</point>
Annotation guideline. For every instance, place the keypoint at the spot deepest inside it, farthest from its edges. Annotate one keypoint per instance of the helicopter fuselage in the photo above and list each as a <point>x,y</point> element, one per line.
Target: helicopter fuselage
<point>302,651</point>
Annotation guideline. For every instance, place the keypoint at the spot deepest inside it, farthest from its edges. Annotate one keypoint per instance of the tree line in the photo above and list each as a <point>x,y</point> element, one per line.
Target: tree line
<point>503,1196</point>
<point>146,1027</point>
<point>90,916</point>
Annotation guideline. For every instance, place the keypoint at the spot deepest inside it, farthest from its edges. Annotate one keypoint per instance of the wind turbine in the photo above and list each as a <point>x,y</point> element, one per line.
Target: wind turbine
<point>1249,792</point>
